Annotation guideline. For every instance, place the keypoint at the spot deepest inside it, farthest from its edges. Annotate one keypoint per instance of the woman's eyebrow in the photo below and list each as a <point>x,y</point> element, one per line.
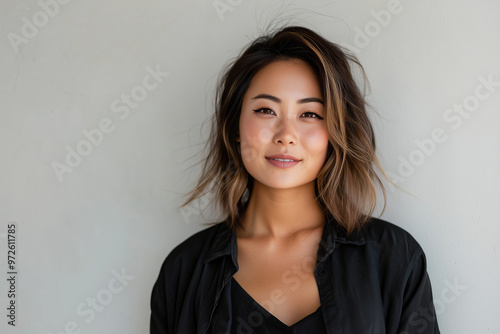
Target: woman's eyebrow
<point>310,99</point>
<point>277,100</point>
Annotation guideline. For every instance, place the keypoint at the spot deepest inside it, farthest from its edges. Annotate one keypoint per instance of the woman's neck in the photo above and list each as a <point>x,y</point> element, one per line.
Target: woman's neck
<point>281,213</point>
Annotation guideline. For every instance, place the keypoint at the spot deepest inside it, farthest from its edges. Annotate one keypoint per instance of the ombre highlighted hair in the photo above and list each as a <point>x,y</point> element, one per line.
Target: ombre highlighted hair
<point>346,186</point>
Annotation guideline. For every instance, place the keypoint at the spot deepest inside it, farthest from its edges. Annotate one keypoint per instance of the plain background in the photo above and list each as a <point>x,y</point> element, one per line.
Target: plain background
<point>117,209</point>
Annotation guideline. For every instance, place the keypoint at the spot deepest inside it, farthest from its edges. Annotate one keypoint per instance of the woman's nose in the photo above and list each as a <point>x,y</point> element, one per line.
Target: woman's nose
<point>285,132</point>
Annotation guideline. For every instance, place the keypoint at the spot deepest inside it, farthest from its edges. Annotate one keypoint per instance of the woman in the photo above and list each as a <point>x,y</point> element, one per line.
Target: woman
<point>292,165</point>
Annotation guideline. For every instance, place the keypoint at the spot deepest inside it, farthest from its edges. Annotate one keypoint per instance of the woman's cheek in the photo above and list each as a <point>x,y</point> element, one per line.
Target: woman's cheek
<point>315,139</point>
<point>255,136</point>
<point>265,135</point>
<point>248,152</point>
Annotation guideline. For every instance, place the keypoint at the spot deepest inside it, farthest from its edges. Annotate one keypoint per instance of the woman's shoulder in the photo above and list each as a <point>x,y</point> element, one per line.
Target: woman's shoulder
<point>379,230</point>
<point>194,244</point>
<point>383,238</point>
<point>192,250</point>
<point>391,239</point>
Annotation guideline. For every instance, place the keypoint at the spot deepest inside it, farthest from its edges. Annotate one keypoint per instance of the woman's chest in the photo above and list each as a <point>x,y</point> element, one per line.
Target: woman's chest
<point>282,282</point>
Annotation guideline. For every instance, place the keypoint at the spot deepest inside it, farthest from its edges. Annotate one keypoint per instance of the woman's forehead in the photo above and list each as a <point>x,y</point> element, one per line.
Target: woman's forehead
<point>285,78</point>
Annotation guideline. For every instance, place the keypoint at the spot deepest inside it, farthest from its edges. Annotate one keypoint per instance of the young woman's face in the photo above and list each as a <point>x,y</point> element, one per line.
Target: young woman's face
<point>282,131</point>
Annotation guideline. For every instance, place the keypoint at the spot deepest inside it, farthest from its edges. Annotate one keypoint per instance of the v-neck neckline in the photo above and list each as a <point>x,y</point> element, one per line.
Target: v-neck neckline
<point>245,296</point>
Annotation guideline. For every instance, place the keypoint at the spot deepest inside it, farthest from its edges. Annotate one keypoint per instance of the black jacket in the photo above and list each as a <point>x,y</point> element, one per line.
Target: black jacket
<point>375,281</point>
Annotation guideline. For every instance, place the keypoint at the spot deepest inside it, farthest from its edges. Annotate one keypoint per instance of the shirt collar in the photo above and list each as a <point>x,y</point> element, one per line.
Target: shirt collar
<point>225,244</point>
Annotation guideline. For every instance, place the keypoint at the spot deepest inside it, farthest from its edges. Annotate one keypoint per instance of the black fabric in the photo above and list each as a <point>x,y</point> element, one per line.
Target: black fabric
<point>250,317</point>
<point>375,281</point>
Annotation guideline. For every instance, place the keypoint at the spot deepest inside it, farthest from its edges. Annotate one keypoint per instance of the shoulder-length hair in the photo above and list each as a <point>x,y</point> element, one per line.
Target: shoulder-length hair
<point>346,186</point>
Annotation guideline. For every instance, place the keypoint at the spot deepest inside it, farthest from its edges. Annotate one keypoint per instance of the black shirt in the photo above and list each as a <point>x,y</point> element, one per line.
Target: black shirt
<point>251,317</point>
<point>375,281</point>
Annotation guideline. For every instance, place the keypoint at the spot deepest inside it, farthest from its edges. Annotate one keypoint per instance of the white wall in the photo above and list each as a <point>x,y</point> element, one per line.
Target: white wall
<point>117,208</point>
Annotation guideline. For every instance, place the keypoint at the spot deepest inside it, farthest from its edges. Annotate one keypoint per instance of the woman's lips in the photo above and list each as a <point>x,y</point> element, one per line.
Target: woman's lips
<point>282,160</point>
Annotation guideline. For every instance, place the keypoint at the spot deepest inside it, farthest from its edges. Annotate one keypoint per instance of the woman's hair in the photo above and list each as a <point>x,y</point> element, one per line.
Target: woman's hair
<point>346,184</point>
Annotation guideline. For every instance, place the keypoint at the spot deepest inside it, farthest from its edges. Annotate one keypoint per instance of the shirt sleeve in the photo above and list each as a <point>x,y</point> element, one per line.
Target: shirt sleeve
<point>158,320</point>
<point>418,315</point>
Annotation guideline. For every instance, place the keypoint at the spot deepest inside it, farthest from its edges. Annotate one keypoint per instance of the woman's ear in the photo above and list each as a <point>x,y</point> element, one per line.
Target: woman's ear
<point>238,136</point>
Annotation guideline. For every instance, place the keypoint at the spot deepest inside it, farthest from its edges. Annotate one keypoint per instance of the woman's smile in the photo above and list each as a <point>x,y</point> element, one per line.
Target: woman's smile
<point>283,160</point>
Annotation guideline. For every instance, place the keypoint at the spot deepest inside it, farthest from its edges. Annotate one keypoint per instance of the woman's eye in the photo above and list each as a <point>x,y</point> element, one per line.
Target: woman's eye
<point>264,111</point>
<point>311,114</point>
